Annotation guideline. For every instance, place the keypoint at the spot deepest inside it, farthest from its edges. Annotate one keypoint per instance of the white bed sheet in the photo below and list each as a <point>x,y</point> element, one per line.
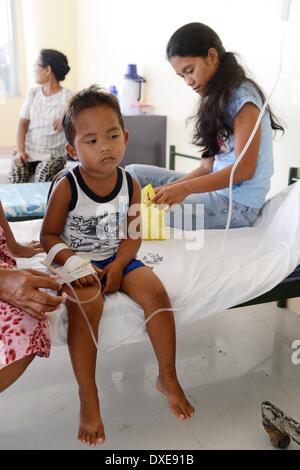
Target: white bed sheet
<point>203,282</point>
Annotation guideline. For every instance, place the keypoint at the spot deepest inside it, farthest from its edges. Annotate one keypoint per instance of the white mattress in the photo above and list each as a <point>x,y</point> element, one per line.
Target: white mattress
<point>200,282</point>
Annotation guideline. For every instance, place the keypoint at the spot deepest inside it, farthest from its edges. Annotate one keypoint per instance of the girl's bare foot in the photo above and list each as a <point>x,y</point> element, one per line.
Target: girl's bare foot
<point>177,400</point>
<point>91,429</point>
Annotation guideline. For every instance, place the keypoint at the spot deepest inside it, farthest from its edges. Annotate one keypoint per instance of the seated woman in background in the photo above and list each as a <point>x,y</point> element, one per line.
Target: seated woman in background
<point>40,139</point>
<point>24,330</point>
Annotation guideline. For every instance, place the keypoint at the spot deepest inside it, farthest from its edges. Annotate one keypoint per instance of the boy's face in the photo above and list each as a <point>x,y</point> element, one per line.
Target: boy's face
<point>100,142</point>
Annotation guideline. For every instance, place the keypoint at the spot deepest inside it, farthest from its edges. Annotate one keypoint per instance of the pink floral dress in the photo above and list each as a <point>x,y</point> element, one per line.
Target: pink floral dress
<point>20,334</point>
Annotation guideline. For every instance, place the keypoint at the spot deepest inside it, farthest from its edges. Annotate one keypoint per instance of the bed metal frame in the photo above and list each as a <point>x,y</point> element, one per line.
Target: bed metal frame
<point>283,291</point>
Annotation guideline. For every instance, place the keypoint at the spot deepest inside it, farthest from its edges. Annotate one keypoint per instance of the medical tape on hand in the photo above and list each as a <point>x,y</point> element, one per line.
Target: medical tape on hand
<point>53,252</point>
<point>75,268</point>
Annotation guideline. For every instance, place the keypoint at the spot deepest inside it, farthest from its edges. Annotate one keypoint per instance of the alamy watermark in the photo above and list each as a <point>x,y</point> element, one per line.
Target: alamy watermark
<point>296,354</point>
<point>178,222</point>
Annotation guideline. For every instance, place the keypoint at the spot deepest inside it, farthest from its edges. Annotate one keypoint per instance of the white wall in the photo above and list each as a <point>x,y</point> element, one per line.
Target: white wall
<point>112,34</point>
<point>50,24</point>
<point>9,109</point>
<point>40,24</point>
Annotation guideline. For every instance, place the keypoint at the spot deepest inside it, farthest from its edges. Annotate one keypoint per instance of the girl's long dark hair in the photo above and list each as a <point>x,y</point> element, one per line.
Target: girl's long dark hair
<point>212,119</point>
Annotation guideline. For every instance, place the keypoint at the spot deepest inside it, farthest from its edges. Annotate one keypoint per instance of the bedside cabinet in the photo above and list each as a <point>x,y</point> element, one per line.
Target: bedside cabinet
<point>147,140</point>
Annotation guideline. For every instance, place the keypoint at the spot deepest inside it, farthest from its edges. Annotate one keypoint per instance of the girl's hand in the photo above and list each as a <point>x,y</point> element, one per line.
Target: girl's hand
<point>158,188</point>
<point>88,280</point>
<point>173,194</point>
<point>26,251</point>
<point>21,288</point>
<point>114,276</point>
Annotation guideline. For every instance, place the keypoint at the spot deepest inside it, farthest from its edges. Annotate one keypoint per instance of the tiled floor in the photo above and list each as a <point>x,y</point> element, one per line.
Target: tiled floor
<point>228,365</point>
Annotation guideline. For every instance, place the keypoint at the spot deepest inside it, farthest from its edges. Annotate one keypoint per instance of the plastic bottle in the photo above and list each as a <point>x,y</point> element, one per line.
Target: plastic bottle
<point>132,90</point>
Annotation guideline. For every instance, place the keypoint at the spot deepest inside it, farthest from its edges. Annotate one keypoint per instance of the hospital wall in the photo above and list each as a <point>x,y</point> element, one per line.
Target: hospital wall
<point>112,34</point>
<point>40,24</point>
<point>100,37</point>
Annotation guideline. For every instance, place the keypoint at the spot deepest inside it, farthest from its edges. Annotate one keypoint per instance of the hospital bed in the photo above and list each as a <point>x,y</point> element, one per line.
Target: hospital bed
<point>290,286</point>
<point>255,267</point>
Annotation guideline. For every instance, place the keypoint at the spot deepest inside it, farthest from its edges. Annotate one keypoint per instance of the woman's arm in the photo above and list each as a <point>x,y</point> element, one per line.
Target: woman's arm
<point>21,137</point>
<point>21,288</point>
<point>7,230</point>
<point>54,220</point>
<point>16,249</point>
<point>244,123</point>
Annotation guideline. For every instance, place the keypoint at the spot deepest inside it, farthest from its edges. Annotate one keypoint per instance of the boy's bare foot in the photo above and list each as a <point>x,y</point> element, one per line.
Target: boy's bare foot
<point>177,400</point>
<point>91,429</point>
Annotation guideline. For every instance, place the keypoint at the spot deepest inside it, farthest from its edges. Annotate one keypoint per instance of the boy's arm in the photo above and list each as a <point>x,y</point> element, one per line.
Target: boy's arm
<point>129,248</point>
<point>54,220</point>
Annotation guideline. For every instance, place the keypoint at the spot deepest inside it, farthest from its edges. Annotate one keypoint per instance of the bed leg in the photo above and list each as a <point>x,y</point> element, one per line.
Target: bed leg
<point>282,303</point>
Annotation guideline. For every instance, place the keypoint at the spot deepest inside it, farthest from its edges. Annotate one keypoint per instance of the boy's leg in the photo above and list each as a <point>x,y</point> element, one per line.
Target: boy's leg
<point>83,354</point>
<point>144,287</point>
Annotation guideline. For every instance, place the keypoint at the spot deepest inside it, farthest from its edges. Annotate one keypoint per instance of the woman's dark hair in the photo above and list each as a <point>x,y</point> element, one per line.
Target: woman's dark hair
<point>57,61</point>
<point>88,98</point>
<point>212,119</point>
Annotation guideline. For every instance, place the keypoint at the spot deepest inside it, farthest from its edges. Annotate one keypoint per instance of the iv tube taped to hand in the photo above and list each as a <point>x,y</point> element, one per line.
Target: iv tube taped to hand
<point>79,269</point>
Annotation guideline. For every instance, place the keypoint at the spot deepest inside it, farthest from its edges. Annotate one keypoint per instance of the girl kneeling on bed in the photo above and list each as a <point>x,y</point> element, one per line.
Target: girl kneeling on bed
<point>88,210</point>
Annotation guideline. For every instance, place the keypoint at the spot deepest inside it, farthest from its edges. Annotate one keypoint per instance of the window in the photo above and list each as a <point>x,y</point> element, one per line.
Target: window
<point>8,68</point>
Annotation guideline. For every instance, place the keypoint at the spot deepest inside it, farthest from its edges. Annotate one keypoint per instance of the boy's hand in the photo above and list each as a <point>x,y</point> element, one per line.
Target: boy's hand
<point>88,280</point>
<point>114,276</point>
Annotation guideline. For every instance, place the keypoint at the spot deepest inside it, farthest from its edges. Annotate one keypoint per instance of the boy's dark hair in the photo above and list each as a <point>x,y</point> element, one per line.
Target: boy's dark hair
<point>88,98</point>
<point>57,61</point>
<point>212,120</point>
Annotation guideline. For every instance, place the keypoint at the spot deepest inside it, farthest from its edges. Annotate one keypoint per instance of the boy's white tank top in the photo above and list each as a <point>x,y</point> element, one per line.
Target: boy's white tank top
<point>95,226</point>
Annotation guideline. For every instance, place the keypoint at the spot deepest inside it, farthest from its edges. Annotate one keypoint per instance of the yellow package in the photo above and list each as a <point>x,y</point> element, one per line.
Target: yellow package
<point>153,219</point>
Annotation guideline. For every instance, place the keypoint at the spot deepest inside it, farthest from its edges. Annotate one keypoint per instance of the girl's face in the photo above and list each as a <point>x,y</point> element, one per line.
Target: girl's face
<point>41,73</point>
<point>100,142</point>
<point>196,71</point>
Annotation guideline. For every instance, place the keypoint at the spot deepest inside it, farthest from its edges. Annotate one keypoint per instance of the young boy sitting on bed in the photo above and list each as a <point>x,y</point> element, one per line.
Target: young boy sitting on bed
<point>88,211</point>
